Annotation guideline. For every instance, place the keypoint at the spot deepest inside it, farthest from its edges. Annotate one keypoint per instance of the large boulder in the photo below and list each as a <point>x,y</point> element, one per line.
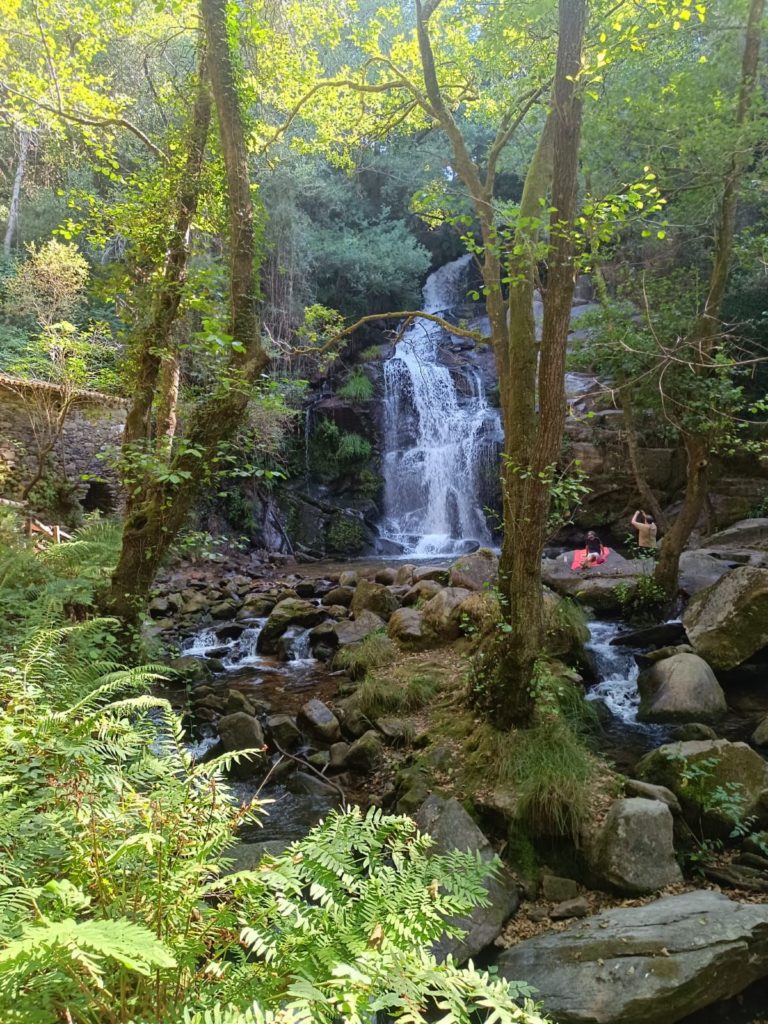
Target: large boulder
<point>682,688</point>
<point>747,533</point>
<point>653,964</point>
<point>598,585</point>
<point>293,611</point>
<point>451,829</point>
<point>700,569</point>
<point>441,614</point>
<point>407,627</point>
<point>366,752</point>
<point>240,731</point>
<point>633,852</point>
<point>421,591</point>
<point>351,631</point>
<point>728,622</point>
<point>716,782</point>
<point>373,597</point>
<point>476,571</point>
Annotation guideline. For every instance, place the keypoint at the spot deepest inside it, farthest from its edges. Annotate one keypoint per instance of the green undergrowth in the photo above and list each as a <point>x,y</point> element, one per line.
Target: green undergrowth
<point>547,769</point>
<point>374,651</point>
<point>380,695</point>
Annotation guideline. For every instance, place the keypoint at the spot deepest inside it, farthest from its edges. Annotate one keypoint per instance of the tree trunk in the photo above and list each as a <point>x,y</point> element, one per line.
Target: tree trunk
<point>647,497</point>
<point>534,431</point>
<point>25,139</point>
<point>707,329</point>
<point>153,525</point>
<point>673,545</point>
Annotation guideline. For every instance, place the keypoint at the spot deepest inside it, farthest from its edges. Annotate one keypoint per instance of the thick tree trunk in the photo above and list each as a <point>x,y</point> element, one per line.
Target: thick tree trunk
<point>706,331</point>
<point>534,430</point>
<point>25,140</point>
<point>152,526</point>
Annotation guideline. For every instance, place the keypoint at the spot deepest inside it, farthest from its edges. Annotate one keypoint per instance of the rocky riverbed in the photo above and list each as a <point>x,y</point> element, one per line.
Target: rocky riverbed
<point>274,662</point>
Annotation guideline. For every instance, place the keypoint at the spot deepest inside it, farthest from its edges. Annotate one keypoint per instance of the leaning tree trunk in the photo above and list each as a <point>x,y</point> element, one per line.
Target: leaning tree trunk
<point>153,525</point>
<point>707,329</point>
<point>533,435</point>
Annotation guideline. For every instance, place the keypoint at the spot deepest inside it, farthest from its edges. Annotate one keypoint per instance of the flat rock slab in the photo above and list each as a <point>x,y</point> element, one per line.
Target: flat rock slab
<point>596,585</point>
<point>645,965</point>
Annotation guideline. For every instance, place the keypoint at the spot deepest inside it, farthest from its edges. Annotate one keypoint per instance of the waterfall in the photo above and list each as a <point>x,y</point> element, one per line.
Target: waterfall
<point>439,435</point>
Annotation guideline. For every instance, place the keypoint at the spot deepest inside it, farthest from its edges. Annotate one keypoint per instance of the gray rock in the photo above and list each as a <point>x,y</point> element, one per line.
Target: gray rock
<point>189,670</point>
<point>366,752</point>
<point>404,574</point>
<point>654,964</point>
<point>353,630</point>
<point>699,570</point>
<point>477,571</point>
<point>646,790</point>
<point>284,731</point>
<point>318,719</point>
<point>728,622</point>
<point>634,852</point>
<point>240,731</point>
<point>694,731</point>
<point>555,889</point>
<point>348,578</point>
<point>431,572</point>
<point>394,730</point>
<point>596,586</point>
<point>451,829</point>
<point>338,755</point>
<point>238,701</point>
<point>747,533</point>
<point>577,907</point>
<point>682,688</point>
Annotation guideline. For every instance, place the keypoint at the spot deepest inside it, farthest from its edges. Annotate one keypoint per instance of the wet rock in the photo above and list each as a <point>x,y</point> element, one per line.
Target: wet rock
<point>421,591</point>
<point>224,609</point>
<point>318,719</point>
<point>633,851</point>
<point>230,632</point>
<point>385,577</point>
<point>441,614</point>
<point>374,597</point>
<point>284,731</point>
<point>451,829</point>
<point>339,595</point>
<point>366,752</point>
<point>694,731</point>
<point>682,688</point>
<point>570,908</point>
<point>348,578</point>
<point>293,611</point>
<point>355,722</point>
<point>653,964</point>
<point>305,588</point>
<point>699,771</point>
<point>320,759</point>
<point>256,607</point>
<point>728,622</point>
<point>555,889</point>
<point>242,732</point>
<point>477,571</point>
<point>304,782</point>
<point>407,627</point>
<point>352,631</point>
<point>666,634</point>
<point>287,643</point>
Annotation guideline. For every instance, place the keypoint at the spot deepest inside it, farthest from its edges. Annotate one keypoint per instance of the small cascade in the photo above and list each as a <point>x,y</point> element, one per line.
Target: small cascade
<point>617,671</point>
<point>235,653</point>
<point>440,435</point>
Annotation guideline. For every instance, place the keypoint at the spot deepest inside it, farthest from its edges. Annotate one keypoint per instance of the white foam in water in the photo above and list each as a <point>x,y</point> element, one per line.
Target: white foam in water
<point>199,748</point>
<point>200,643</point>
<point>617,671</point>
<point>440,434</point>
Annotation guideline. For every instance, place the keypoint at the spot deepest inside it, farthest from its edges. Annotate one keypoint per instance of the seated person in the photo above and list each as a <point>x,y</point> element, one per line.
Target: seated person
<point>593,553</point>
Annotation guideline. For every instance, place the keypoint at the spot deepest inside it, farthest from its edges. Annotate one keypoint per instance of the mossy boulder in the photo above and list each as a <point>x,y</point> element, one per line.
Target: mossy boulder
<point>442,614</point>
<point>407,627</point>
<point>717,782</point>
<point>728,622</point>
<point>476,571</point>
<point>565,627</point>
<point>374,597</point>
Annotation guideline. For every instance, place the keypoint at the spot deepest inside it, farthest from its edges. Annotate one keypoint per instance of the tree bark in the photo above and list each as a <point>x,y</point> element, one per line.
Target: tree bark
<point>152,526</point>
<point>25,140</point>
<point>707,328</point>
<point>647,497</point>
<point>534,429</point>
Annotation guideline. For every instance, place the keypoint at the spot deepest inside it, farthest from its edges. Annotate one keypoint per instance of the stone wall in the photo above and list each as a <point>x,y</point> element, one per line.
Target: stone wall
<point>93,424</point>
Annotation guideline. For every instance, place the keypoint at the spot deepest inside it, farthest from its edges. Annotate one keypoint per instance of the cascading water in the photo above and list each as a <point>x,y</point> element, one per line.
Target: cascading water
<point>440,434</point>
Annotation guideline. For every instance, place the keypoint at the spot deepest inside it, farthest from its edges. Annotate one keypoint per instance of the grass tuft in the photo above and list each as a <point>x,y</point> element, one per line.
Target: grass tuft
<point>379,696</point>
<point>374,651</point>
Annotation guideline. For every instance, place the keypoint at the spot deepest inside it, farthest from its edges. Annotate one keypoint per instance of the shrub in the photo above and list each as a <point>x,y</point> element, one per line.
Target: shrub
<point>345,535</point>
<point>353,448</point>
<point>641,602</point>
<point>358,387</point>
